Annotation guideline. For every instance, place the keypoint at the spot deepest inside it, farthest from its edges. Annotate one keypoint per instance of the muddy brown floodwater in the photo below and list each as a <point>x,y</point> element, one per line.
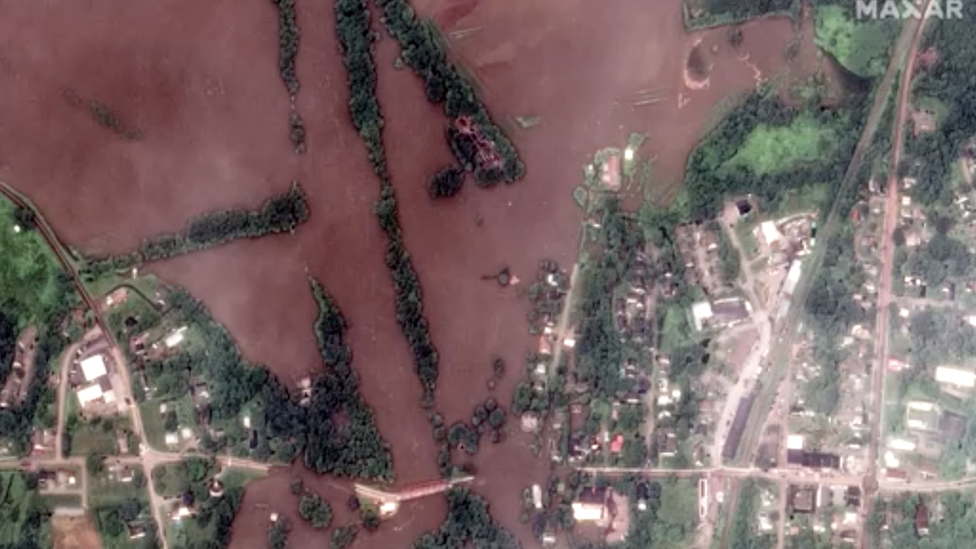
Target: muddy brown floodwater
<point>200,82</point>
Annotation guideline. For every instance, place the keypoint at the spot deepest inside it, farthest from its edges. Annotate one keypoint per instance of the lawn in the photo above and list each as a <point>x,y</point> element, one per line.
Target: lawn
<point>676,330</point>
<point>773,149</point>
<point>60,500</point>
<point>176,478</point>
<point>807,198</point>
<point>96,436</point>
<point>860,46</point>
<point>27,270</point>
<point>238,478</point>
<point>152,424</point>
<point>109,502</point>
<point>88,439</point>
<point>676,519</point>
<point>15,501</point>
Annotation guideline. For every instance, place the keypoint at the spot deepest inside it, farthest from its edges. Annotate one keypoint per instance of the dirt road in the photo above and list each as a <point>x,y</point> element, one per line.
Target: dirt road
<point>751,368</point>
<point>885,284</point>
<point>779,354</point>
<point>562,327</point>
<point>62,398</point>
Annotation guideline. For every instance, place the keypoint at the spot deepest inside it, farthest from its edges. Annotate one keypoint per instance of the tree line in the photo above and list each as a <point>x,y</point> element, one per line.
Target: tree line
<point>722,12</point>
<point>422,50</point>
<point>288,38</point>
<point>355,39</point>
<point>468,521</point>
<point>342,435</point>
<point>281,213</point>
<point>288,35</point>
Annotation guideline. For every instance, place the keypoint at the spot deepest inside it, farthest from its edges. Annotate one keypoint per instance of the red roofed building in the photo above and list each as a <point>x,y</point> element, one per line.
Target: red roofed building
<point>896,475</point>
<point>896,365</point>
<point>545,348</point>
<point>921,520</point>
<point>617,444</point>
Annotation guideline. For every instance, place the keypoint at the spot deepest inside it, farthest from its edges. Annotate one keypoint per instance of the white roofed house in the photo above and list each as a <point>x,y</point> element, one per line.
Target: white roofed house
<point>175,337</point>
<point>955,380</point>
<point>591,506</point>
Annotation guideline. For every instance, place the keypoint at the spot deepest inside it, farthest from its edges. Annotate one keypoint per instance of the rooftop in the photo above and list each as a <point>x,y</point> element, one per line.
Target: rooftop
<point>93,367</point>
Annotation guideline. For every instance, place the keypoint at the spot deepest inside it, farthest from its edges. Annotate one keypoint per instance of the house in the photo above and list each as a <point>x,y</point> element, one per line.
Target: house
<point>545,347</point>
<point>921,415</point>
<point>743,207</point>
<point>216,488</point>
<point>591,506</point>
<point>770,233</point>
<point>200,393</point>
<point>126,474</point>
<point>135,530</point>
<point>117,297</point>
<point>812,460</point>
<point>955,378</point>
<point>667,442</point>
<point>928,471</point>
<point>643,494</point>
<point>896,475</point>
<point>896,365</point>
<point>617,444</point>
<point>803,499</point>
<point>949,291</point>
<point>921,520</point>
<point>952,426</point>
<point>175,337</point>
<point>701,312</point>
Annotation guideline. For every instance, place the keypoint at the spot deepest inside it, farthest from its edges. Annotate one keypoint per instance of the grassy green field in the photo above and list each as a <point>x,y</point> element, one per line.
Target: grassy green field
<point>27,270</point>
<point>61,500</point>
<point>147,284</point>
<point>773,149</point>
<point>15,500</point>
<point>676,329</point>
<point>860,46</point>
<point>676,518</point>
<point>808,198</point>
<point>152,424</point>
<point>87,437</point>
